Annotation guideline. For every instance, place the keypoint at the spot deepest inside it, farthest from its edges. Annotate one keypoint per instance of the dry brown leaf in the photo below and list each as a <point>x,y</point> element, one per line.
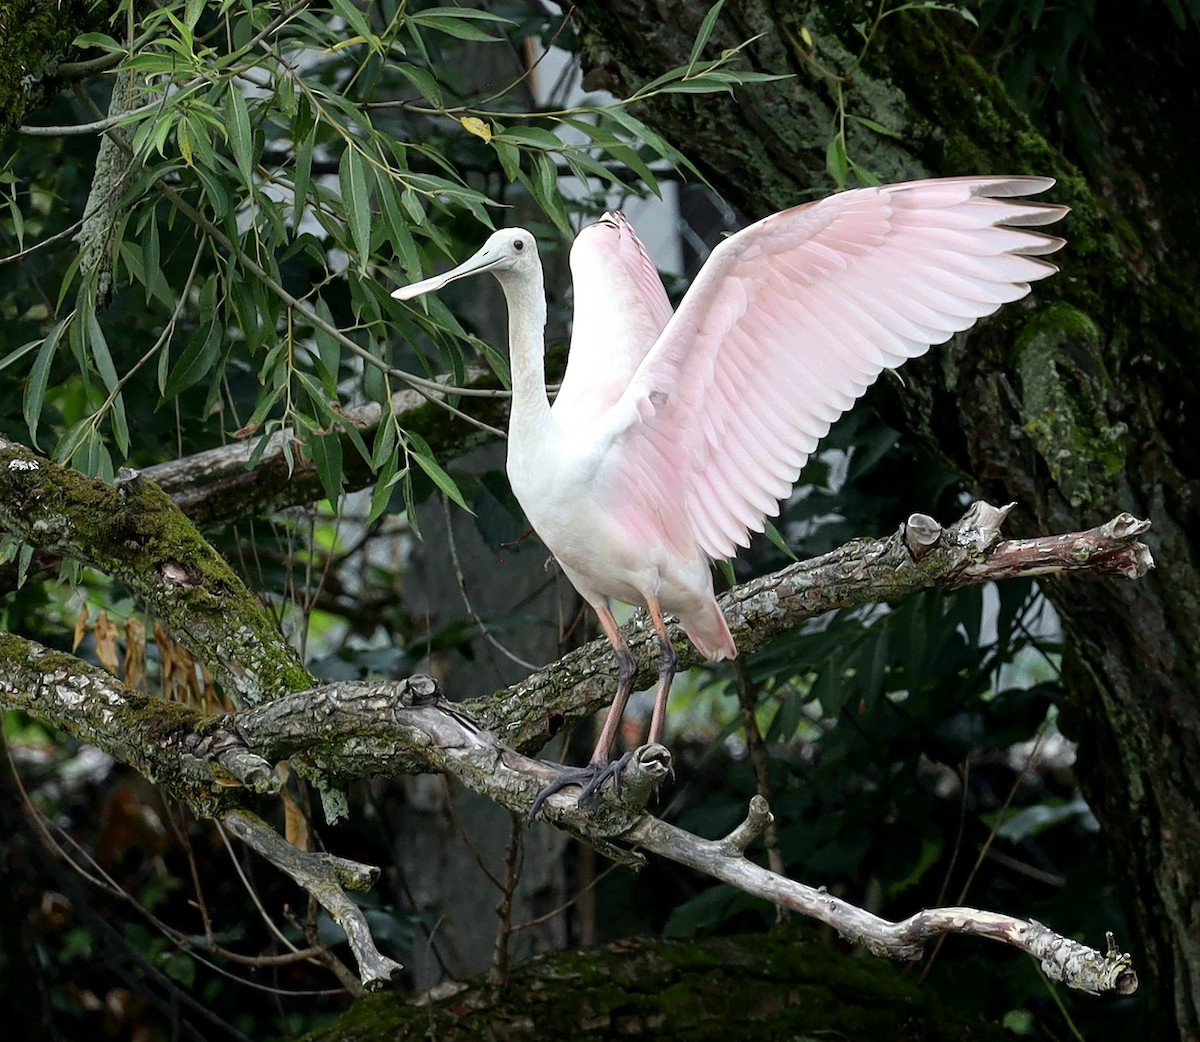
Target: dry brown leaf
<point>297,829</point>
<point>106,643</point>
<point>135,652</point>
<point>81,627</point>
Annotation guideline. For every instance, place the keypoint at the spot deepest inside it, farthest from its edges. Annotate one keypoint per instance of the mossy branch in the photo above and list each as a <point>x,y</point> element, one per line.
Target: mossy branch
<point>133,532</point>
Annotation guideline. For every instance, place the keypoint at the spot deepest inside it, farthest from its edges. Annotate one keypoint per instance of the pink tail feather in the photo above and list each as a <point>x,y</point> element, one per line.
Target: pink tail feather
<point>710,633</point>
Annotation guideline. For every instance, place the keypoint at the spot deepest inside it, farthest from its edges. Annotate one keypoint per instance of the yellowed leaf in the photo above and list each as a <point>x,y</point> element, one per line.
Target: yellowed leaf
<point>166,657</point>
<point>351,42</point>
<point>475,125</point>
<point>81,625</point>
<point>135,652</point>
<point>106,643</point>
<point>806,36</point>
<point>297,829</point>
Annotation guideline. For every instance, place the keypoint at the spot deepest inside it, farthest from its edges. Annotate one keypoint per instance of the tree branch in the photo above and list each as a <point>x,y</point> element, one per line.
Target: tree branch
<point>327,878</point>
<point>133,532</point>
<point>352,730</point>
<point>220,485</point>
<point>863,571</point>
<point>1075,964</point>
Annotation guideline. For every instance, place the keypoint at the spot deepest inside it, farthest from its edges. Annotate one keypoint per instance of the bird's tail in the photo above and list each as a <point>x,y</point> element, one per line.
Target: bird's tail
<point>710,633</point>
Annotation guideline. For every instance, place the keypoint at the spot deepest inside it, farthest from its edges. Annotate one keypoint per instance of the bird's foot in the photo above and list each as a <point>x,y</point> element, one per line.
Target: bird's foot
<point>588,778</point>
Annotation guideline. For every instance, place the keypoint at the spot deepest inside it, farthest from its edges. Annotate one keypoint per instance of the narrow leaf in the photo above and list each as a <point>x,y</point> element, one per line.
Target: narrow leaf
<point>353,178</point>
<point>421,452</point>
<point>326,453</point>
<point>706,28</point>
<point>836,161</point>
<point>241,138</point>
<point>425,83</point>
<point>34,396</point>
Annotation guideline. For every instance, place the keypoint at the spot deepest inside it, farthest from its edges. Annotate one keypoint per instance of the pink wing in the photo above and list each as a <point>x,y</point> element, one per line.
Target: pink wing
<point>788,324</point>
<point>620,309</point>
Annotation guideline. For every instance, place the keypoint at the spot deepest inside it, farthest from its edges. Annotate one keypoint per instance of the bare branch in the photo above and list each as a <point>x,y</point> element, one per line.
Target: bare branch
<point>327,878</point>
<point>1075,964</point>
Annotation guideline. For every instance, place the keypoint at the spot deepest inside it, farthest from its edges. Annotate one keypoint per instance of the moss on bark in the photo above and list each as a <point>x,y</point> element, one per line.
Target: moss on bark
<point>749,988</point>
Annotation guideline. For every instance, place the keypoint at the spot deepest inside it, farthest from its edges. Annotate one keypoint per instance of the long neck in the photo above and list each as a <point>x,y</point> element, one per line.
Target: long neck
<point>526,297</point>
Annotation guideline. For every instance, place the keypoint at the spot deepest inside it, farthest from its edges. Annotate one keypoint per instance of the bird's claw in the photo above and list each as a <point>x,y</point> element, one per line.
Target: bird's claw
<point>588,778</point>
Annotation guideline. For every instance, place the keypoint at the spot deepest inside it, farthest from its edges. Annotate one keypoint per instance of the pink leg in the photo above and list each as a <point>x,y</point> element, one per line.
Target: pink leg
<point>601,768</point>
<point>626,672</point>
<point>666,671</point>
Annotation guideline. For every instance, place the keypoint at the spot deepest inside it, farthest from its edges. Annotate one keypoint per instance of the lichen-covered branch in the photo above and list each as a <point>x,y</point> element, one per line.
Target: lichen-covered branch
<point>381,728</point>
<point>354,730</point>
<point>327,878</point>
<point>524,716</point>
<point>864,571</point>
<point>1075,964</point>
<point>133,532</point>
<point>35,38</point>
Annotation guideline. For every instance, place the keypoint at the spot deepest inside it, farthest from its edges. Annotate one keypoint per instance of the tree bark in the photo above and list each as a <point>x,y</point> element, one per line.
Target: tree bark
<point>1076,405</point>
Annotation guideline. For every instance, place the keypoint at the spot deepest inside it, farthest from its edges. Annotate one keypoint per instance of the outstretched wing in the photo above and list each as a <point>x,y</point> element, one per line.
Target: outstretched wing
<point>788,324</point>
<point>620,310</point>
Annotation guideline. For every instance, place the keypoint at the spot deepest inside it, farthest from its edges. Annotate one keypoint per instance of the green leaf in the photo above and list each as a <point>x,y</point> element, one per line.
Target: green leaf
<point>384,448</point>
<point>777,540</point>
<point>34,395</point>
<point>836,161</point>
<point>329,350</point>
<point>356,20</point>
<point>101,40</point>
<point>326,453</point>
<point>381,494</point>
<point>425,83</point>
<point>241,137</point>
<point>355,197</point>
<point>706,28</point>
<point>17,354</point>
<point>456,22</point>
<point>544,184</point>
<point>196,361</point>
<point>398,227</point>
<point>531,137</point>
<point>98,347</point>
<point>874,125</point>
<point>509,156</point>
<point>420,451</point>
<point>302,174</point>
<point>412,203</point>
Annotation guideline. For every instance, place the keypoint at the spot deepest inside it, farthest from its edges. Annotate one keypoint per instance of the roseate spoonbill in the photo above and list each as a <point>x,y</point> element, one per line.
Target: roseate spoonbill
<point>674,435</point>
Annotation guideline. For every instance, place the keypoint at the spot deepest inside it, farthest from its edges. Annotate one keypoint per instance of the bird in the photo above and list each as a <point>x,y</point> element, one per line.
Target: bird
<point>675,434</point>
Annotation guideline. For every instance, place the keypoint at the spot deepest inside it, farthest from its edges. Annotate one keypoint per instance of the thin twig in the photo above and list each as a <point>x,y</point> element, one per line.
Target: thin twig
<point>756,747</point>
<point>498,974</point>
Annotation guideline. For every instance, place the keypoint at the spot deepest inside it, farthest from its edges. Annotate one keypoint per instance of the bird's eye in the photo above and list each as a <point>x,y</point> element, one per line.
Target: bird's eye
<point>518,245</point>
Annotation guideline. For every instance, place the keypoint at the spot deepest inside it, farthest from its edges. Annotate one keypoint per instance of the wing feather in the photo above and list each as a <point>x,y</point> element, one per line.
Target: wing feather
<point>620,309</point>
<point>789,323</point>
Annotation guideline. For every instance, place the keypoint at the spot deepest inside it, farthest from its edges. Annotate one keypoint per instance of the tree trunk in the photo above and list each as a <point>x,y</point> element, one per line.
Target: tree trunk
<point>1076,405</point>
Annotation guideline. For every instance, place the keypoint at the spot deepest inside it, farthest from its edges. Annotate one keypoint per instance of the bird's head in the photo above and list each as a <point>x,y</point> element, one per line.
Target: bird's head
<point>510,252</point>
